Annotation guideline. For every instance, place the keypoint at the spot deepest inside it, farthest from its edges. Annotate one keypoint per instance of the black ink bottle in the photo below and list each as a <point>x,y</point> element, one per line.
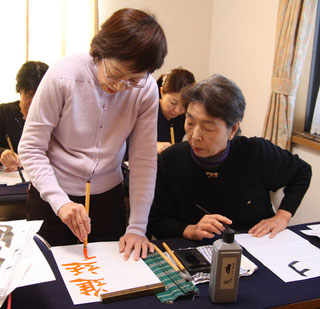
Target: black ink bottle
<point>225,268</point>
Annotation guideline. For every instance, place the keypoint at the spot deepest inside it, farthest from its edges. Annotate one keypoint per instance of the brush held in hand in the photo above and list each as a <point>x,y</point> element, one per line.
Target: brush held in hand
<point>12,151</point>
<point>87,205</point>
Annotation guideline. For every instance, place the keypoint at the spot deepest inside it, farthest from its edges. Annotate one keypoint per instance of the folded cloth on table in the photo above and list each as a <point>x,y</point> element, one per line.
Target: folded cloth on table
<point>247,267</point>
<point>175,285</point>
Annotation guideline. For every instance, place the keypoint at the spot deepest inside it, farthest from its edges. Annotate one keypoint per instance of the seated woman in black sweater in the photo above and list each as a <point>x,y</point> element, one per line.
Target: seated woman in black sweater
<point>171,111</point>
<point>219,177</point>
<point>13,115</point>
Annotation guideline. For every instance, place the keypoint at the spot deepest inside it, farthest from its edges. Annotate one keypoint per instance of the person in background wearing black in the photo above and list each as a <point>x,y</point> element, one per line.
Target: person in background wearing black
<point>14,114</point>
<point>171,112</point>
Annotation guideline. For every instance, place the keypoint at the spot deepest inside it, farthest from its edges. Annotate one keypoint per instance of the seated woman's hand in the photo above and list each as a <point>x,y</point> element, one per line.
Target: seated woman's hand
<point>162,146</point>
<point>273,225</point>
<point>207,227</point>
<point>10,161</point>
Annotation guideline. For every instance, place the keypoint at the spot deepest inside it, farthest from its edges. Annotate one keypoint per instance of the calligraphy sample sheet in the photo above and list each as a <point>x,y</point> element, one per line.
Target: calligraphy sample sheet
<point>288,255</point>
<point>103,271</point>
<point>21,261</point>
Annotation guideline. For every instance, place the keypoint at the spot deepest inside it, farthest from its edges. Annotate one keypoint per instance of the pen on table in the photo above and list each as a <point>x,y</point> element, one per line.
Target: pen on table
<point>208,213</point>
<point>87,205</point>
<point>182,274</point>
<point>180,265</point>
<point>172,134</point>
<point>12,151</point>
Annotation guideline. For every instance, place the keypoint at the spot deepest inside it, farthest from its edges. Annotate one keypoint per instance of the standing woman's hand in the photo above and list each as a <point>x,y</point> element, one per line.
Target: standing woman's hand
<point>140,245</point>
<point>76,218</point>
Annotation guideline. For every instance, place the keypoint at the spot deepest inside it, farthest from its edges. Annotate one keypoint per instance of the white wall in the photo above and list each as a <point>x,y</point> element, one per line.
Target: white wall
<point>309,210</point>
<point>242,48</point>
<point>187,26</point>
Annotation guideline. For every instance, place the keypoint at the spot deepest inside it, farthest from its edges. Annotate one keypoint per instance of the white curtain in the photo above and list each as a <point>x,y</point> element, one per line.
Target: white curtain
<point>13,45</point>
<point>42,30</point>
<point>60,27</point>
<point>315,126</point>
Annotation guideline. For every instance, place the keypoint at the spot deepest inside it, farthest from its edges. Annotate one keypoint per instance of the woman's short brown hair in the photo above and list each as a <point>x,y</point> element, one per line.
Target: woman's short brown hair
<point>175,80</point>
<point>131,35</point>
<point>29,76</point>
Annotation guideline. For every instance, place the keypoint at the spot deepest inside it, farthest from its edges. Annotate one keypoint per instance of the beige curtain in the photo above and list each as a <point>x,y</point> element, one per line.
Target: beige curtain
<point>295,18</point>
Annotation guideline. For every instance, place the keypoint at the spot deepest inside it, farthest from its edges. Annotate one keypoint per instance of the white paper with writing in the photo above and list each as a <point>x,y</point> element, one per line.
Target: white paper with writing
<point>288,255</point>
<point>105,271</point>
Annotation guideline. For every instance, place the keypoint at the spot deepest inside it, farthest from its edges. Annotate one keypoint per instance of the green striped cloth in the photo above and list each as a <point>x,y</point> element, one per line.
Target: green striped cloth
<point>175,285</point>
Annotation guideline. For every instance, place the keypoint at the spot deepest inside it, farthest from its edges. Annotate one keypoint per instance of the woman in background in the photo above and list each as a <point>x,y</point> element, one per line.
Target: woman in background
<point>171,111</point>
<point>14,114</point>
<point>219,177</point>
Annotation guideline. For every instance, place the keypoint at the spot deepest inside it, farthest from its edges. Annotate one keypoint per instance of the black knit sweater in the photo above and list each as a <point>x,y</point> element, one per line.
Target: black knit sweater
<point>164,127</point>
<point>11,123</point>
<point>238,189</point>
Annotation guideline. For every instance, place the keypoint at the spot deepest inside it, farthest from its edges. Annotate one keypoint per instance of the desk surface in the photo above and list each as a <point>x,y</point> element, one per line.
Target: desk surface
<point>263,289</point>
<point>13,193</point>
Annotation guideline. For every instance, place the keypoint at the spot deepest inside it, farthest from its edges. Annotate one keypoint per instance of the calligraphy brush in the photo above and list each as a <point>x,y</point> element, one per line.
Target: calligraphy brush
<point>172,134</point>
<point>87,205</point>
<point>208,213</point>
<point>180,265</point>
<point>12,151</point>
<point>182,274</point>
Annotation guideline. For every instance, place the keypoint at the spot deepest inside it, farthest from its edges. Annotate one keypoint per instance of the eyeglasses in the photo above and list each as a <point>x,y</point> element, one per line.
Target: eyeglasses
<point>139,83</point>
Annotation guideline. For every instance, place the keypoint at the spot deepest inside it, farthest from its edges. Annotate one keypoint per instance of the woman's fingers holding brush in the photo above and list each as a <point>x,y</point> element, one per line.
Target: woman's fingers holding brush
<point>76,218</point>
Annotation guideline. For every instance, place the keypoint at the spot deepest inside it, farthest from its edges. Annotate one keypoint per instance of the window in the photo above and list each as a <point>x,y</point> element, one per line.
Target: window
<point>308,91</point>
<point>55,29</point>
<point>314,82</point>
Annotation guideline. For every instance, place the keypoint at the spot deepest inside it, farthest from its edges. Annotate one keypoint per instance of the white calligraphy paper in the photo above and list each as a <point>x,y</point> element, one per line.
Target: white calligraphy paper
<point>39,270</point>
<point>12,178</point>
<point>21,261</point>
<point>288,255</point>
<point>104,271</point>
<point>314,230</point>
<point>315,227</point>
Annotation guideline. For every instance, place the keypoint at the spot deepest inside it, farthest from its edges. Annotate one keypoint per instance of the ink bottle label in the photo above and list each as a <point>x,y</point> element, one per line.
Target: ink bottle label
<point>228,273</point>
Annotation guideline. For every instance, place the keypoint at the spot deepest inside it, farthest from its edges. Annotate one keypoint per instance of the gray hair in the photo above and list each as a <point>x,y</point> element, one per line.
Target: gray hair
<point>220,97</point>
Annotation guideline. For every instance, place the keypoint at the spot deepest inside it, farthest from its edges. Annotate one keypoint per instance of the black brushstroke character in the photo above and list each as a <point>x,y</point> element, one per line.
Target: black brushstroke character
<point>228,268</point>
<point>300,272</point>
<point>6,236</point>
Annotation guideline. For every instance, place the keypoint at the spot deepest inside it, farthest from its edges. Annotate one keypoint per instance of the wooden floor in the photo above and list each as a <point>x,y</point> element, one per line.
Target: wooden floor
<point>12,211</point>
